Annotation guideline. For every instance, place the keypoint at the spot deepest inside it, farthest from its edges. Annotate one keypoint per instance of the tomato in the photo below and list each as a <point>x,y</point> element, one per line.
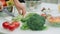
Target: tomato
<point>5,25</point>
<point>11,27</point>
<point>44,15</point>
<point>16,23</point>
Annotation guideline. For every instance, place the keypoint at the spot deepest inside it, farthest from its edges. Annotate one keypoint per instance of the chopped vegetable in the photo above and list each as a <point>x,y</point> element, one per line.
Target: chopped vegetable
<point>17,18</point>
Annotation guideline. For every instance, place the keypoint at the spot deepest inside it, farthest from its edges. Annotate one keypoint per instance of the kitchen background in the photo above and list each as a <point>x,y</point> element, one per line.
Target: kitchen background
<point>35,4</point>
<point>47,1</point>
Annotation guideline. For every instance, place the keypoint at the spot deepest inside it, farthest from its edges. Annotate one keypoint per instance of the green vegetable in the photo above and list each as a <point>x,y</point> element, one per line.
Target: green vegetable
<point>24,26</point>
<point>17,18</point>
<point>10,8</point>
<point>34,21</point>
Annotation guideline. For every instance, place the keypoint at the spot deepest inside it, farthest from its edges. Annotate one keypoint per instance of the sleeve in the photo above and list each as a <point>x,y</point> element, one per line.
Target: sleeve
<point>22,1</point>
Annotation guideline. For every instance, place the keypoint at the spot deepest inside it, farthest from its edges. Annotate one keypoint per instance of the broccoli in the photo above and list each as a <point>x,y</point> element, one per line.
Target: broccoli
<point>34,21</point>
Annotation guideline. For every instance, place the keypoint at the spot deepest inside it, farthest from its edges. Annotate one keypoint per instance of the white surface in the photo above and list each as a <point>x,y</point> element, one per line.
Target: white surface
<point>53,8</point>
<point>50,30</point>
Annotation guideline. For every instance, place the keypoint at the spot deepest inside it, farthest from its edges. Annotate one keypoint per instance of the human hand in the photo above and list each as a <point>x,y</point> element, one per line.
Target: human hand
<point>20,6</point>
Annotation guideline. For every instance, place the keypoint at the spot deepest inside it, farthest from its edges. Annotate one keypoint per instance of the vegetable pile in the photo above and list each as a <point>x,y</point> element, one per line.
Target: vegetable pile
<point>33,21</point>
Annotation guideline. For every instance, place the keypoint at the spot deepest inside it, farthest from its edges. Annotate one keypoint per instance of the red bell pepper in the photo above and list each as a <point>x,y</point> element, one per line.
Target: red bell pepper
<point>4,2</point>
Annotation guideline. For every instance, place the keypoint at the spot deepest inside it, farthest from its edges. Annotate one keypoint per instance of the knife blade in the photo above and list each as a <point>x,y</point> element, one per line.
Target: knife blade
<point>7,12</point>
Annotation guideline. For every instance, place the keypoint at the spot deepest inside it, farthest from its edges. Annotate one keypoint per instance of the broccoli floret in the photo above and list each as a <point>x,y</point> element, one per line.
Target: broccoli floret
<point>35,21</point>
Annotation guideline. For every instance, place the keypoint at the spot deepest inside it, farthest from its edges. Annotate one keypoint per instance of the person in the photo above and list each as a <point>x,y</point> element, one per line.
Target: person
<point>20,6</point>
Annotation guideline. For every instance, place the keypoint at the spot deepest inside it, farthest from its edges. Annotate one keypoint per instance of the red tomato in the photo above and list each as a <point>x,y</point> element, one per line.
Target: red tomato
<point>5,25</point>
<point>44,15</point>
<point>11,27</point>
<point>16,23</point>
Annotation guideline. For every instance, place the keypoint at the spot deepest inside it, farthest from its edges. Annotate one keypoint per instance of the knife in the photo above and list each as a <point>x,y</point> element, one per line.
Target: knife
<point>7,12</point>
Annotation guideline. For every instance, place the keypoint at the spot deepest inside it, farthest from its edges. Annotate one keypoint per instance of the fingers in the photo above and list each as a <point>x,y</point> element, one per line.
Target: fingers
<point>23,12</point>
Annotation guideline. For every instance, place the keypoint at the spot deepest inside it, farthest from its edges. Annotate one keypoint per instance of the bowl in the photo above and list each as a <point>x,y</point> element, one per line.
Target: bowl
<point>54,21</point>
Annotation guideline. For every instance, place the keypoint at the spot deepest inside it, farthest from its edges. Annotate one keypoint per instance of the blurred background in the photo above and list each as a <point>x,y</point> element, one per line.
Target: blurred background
<point>47,1</point>
<point>34,5</point>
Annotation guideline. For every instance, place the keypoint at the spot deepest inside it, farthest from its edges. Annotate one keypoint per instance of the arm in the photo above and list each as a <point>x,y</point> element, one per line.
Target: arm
<point>19,7</point>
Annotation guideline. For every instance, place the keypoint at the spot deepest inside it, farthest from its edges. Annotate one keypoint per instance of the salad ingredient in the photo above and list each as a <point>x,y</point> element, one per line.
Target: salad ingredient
<point>34,21</point>
<point>54,19</point>
<point>11,27</point>
<point>5,25</point>
<point>10,8</point>
<point>44,15</point>
<point>16,23</point>
<point>24,26</point>
<point>4,2</point>
<point>10,3</point>
<point>17,18</point>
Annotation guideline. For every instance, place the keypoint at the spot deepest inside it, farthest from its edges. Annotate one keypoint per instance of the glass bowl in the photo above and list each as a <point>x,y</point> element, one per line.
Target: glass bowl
<point>54,21</point>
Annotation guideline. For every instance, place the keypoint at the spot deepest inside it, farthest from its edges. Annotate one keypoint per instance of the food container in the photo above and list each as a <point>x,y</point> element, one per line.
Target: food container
<point>54,21</point>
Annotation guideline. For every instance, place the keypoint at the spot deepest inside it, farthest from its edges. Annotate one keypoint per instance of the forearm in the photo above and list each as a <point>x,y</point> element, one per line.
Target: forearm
<point>16,2</point>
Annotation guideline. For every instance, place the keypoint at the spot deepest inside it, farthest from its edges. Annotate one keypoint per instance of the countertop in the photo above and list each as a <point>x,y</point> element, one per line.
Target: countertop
<point>49,30</point>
